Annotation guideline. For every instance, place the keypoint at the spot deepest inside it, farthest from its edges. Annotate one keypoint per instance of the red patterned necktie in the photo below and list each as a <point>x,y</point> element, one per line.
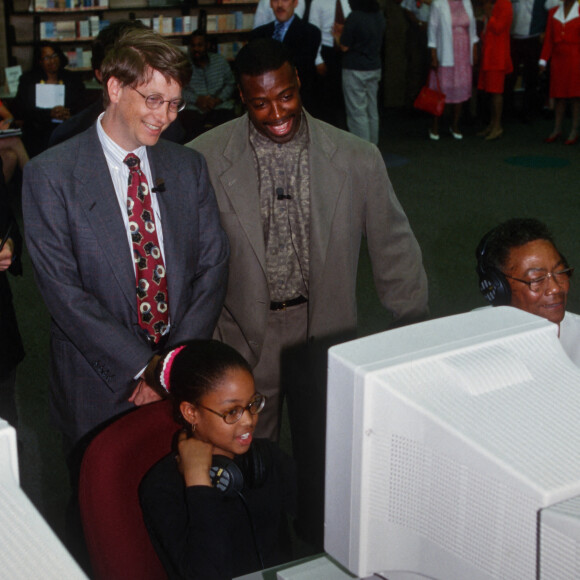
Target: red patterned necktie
<point>152,299</point>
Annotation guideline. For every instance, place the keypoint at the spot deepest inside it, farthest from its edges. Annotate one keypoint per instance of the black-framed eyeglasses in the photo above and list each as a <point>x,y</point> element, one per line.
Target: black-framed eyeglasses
<point>155,101</point>
<point>232,416</point>
<point>48,57</point>
<point>539,284</point>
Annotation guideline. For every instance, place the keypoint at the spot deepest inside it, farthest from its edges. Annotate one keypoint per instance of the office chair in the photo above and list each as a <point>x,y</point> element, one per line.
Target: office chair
<point>112,469</point>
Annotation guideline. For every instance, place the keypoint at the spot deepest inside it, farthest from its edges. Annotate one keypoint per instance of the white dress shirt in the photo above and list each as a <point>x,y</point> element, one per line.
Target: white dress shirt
<point>120,176</point>
<point>322,15</point>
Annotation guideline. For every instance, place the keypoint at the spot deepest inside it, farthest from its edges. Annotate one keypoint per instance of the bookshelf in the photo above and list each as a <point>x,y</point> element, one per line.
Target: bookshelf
<point>75,23</point>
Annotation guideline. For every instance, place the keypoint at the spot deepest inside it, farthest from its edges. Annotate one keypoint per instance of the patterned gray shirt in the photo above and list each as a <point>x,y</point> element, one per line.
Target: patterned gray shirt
<point>284,186</point>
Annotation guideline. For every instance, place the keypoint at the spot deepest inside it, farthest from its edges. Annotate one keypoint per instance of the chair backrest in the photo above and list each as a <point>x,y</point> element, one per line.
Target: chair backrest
<point>112,469</point>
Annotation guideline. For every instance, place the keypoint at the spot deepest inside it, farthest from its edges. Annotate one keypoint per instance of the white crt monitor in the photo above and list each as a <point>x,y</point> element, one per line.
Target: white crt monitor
<point>445,440</point>
<point>28,547</point>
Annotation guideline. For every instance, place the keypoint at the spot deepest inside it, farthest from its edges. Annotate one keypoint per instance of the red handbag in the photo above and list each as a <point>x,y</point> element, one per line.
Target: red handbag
<point>431,101</point>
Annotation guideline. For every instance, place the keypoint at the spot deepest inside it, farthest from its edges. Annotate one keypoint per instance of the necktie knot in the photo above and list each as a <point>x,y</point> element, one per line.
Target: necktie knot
<point>132,162</point>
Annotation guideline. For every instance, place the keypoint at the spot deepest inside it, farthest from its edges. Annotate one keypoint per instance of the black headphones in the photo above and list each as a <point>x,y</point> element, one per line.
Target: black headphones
<point>492,283</point>
<point>249,470</point>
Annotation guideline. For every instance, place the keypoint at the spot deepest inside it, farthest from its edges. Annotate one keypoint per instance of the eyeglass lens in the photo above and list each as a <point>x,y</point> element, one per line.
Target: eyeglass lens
<point>155,101</point>
<point>254,408</point>
<point>560,277</point>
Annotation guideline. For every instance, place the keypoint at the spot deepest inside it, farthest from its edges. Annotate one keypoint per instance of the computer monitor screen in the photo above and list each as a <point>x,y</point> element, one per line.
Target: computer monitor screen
<point>444,441</point>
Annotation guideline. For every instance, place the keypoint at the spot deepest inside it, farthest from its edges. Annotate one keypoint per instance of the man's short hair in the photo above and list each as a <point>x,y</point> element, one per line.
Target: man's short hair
<point>197,32</point>
<point>137,54</point>
<point>107,37</point>
<point>512,233</point>
<point>261,56</point>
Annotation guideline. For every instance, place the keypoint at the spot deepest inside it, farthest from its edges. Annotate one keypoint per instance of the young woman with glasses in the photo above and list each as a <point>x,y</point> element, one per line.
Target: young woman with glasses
<point>216,508</point>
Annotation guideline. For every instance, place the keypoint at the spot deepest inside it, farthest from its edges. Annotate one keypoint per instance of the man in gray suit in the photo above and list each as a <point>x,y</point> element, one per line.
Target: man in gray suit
<point>83,234</point>
<point>296,195</point>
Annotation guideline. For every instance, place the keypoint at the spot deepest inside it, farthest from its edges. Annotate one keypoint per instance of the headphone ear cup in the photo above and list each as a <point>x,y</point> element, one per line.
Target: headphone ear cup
<point>495,287</point>
<point>492,283</point>
<point>226,475</point>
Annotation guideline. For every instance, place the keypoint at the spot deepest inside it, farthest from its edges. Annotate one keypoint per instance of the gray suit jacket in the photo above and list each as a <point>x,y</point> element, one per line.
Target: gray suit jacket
<point>350,196</point>
<point>83,266</point>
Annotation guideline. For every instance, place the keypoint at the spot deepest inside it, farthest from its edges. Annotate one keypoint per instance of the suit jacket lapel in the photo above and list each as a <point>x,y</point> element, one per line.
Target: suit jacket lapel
<point>327,181</point>
<point>98,199</point>
<point>240,183</point>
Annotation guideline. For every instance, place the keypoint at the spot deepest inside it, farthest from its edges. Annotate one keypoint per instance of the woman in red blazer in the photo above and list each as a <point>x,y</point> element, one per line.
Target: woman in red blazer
<point>496,61</point>
<point>562,48</point>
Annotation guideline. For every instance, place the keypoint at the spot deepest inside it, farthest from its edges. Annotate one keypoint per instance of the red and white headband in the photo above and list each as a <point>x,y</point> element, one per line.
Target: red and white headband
<point>166,367</point>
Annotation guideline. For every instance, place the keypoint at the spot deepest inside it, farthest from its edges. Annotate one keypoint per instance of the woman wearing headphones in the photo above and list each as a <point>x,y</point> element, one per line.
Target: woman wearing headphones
<point>217,507</point>
<point>519,265</point>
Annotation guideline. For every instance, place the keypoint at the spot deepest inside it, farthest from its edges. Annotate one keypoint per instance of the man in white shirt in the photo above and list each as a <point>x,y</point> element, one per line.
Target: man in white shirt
<point>329,17</point>
<point>116,296</point>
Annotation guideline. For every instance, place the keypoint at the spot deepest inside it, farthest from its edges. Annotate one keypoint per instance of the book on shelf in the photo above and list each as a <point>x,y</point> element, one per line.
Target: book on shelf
<point>93,25</point>
<point>233,21</point>
<point>12,75</point>
<point>79,58</point>
<point>83,29</point>
<point>66,29</point>
<point>189,24</point>
<point>248,21</point>
<point>229,50</point>
<point>47,30</point>
<point>167,25</point>
<point>42,5</point>
<point>211,23</point>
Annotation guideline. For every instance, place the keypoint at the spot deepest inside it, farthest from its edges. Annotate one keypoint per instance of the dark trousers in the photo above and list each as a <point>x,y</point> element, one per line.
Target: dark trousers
<point>418,60</point>
<point>525,53</point>
<point>329,101</point>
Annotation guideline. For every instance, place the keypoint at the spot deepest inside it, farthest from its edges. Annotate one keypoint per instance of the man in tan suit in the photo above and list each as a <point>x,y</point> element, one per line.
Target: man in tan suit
<point>296,195</point>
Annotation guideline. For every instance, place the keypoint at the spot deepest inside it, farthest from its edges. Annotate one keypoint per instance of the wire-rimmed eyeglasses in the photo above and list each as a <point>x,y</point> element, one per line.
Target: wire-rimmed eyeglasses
<point>539,284</point>
<point>155,101</point>
<point>48,57</point>
<point>232,416</point>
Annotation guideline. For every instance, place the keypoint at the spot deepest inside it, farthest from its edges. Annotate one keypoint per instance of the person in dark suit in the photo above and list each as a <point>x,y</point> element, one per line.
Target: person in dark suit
<point>122,283</point>
<point>49,69</point>
<point>80,122</point>
<point>302,40</point>
<point>10,340</point>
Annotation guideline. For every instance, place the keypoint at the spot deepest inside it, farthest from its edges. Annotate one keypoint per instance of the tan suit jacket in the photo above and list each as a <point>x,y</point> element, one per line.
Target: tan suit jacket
<point>351,196</point>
